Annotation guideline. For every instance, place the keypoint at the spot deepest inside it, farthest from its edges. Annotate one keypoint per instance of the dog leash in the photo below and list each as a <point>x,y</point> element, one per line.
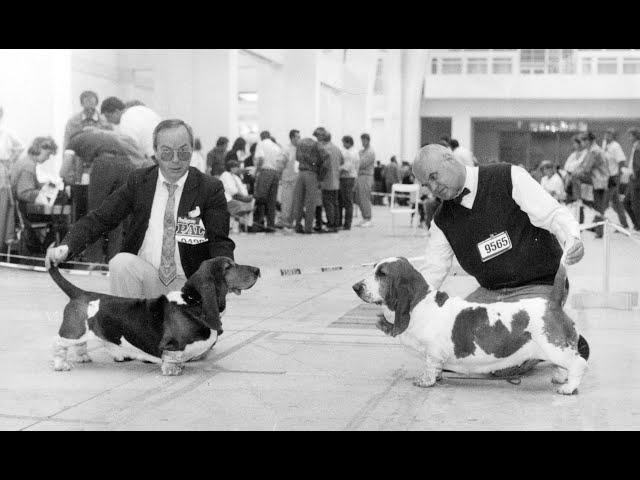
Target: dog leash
<point>513,379</point>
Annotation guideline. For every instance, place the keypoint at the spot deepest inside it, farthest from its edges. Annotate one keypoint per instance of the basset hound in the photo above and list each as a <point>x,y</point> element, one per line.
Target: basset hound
<point>475,338</point>
<point>172,329</point>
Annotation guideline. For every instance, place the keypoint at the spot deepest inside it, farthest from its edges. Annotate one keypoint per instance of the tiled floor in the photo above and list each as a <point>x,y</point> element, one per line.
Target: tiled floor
<point>285,360</point>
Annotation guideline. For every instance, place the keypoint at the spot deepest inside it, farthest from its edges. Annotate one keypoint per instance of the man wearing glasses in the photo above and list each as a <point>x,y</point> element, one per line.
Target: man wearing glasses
<point>179,219</point>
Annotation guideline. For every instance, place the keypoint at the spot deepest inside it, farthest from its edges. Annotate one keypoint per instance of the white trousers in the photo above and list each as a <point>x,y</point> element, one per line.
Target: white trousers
<point>132,277</point>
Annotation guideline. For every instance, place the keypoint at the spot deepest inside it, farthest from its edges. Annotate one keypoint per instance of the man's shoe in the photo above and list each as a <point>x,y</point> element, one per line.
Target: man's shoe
<point>366,224</point>
<point>332,230</point>
<point>255,229</point>
<point>269,230</point>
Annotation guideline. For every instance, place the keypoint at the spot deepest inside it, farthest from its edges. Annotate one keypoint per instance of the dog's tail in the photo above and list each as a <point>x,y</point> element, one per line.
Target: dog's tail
<point>560,287</point>
<point>67,287</point>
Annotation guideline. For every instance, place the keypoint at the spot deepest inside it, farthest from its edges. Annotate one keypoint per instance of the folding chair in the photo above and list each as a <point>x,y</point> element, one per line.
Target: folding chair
<point>410,191</point>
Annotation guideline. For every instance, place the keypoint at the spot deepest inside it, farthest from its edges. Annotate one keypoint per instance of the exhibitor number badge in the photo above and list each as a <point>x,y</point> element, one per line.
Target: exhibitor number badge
<point>493,246</point>
<point>190,230</point>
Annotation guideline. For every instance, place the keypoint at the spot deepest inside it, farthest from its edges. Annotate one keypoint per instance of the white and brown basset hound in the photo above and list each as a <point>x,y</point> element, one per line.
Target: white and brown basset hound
<point>172,329</point>
<point>475,338</point>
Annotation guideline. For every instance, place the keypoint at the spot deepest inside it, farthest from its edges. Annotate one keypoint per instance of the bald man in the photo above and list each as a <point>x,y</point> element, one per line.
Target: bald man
<point>500,224</point>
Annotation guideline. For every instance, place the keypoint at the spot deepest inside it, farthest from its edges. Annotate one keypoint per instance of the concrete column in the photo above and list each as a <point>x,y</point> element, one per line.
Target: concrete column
<point>302,87</point>
<point>461,129</point>
<point>215,95</point>
<point>413,72</point>
<point>272,98</point>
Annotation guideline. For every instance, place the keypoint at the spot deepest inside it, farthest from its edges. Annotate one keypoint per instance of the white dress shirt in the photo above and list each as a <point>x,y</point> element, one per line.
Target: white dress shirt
<point>139,122</point>
<point>574,160</point>
<point>232,185</point>
<point>554,185</point>
<point>151,249</point>
<point>270,152</point>
<point>541,208</point>
<point>614,155</point>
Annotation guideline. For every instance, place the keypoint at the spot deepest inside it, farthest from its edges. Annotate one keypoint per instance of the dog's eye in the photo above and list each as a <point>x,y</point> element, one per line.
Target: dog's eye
<point>381,273</point>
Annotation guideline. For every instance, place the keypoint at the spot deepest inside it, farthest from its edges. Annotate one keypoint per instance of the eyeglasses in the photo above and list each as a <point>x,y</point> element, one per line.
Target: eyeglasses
<point>166,154</point>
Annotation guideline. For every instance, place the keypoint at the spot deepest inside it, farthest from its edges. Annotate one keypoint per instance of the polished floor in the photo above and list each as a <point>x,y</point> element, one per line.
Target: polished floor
<point>289,360</point>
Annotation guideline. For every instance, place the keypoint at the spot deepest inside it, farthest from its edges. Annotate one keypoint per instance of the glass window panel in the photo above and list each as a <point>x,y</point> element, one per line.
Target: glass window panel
<point>607,65</point>
<point>451,65</point>
<point>501,65</point>
<point>631,66</point>
<point>477,65</point>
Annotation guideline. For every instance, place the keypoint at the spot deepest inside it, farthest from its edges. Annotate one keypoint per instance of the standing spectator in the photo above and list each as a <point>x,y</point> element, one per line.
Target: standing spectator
<point>138,121</point>
<point>111,157</point>
<point>249,169</point>
<point>10,150</point>
<point>197,160</point>
<point>239,202</point>
<point>462,154</point>
<point>378,183</point>
<point>237,152</point>
<point>593,174</point>
<point>348,174</point>
<point>615,160</point>
<point>571,183</point>
<point>330,184</point>
<point>288,180</point>
<point>551,181</point>
<point>88,117</point>
<point>216,156</point>
<point>310,158</point>
<point>267,156</point>
<point>364,182</point>
<point>392,174</point>
<point>632,196</point>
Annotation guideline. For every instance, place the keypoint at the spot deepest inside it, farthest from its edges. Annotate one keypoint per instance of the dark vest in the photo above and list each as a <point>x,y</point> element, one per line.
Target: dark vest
<point>535,254</point>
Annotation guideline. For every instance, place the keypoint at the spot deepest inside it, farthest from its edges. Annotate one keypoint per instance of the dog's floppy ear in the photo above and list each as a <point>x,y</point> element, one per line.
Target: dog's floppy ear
<point>399,299</point>
<point>203,285</point>
<point>405,289</point>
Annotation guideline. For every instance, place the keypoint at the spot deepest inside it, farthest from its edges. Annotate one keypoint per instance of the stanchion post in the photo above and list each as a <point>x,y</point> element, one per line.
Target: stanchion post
<point>607,254</point>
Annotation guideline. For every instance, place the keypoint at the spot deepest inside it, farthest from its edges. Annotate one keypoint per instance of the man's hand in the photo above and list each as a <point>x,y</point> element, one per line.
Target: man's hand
<point>56,255</point>
<point>574,250</point>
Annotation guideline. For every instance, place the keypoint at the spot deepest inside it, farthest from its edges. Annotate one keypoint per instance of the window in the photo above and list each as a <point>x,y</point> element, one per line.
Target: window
<point>434,65</point>
<point>608,65</point>
<point>631,65</point>
<point>532,60</point>
<point>451,65</point>
<point>501,65</point>
<point>477,65</point>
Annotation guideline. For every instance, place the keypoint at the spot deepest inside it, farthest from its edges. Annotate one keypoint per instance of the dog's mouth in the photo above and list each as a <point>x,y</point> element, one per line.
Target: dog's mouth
<point>235,290</point>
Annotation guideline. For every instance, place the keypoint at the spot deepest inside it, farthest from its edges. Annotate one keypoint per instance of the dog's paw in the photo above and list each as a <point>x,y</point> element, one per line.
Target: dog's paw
<point>60,365</point>
<point>171,369</point>
<point>424,381</point>
<point>559,377</point>
<point>567,390</point>
<point>83,358</point>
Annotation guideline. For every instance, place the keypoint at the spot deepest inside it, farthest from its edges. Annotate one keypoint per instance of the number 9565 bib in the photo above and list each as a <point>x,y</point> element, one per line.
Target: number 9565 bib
<point>494,245</point>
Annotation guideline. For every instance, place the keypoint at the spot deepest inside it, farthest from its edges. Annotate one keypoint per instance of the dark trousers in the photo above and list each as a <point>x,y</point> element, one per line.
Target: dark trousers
<point>599,204</point>
<point>330,203</point>
<point>613,198</point>
<point>345,201</point>
<point>632,202</point>
<point>108,173</point>
<point>304,199</point>
<point>266,195</point>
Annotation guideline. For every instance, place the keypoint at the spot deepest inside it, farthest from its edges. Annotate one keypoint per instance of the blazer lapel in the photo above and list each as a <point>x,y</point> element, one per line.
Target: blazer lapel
<point>190,192</point>
<point>148,192</point>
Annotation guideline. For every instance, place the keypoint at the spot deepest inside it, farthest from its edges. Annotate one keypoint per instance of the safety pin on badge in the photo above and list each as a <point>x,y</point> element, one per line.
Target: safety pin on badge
<point>194,213</point>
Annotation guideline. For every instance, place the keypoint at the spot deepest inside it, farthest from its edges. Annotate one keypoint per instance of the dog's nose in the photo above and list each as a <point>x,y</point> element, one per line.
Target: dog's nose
<point>357,287</point>
<point>256,271</point>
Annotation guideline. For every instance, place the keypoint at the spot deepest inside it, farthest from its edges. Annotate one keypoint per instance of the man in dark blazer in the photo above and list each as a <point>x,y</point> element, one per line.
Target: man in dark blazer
<point>179,219</point>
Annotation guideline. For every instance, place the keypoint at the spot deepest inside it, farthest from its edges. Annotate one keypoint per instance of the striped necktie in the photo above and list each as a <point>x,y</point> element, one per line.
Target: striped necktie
<point>168,271</point>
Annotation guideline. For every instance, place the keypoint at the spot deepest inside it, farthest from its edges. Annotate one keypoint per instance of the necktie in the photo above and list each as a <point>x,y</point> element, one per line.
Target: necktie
<point>458,199</point>
<point>168,271</point>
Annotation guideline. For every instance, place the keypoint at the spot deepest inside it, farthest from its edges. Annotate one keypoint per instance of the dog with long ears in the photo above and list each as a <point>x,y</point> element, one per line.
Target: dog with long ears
<point>172,329</point>
<point>475,338</point>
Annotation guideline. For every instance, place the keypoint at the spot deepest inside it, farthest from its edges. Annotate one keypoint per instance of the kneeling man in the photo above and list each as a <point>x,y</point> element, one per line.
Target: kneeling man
<point>179,219</point>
